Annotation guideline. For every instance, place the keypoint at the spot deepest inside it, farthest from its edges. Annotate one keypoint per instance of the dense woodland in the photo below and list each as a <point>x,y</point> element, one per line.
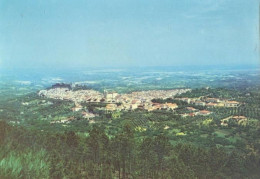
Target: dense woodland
<point>130,144</point>
<point>37,154</point>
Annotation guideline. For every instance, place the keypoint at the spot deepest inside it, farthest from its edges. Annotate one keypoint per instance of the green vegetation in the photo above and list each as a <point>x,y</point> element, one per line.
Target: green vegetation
<point>33,154</point>
<point>17,164</point>
<point>130,144</point>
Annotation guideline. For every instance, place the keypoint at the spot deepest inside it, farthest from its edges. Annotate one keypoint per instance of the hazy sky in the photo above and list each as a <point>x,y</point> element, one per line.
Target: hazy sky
<point>115,33</point>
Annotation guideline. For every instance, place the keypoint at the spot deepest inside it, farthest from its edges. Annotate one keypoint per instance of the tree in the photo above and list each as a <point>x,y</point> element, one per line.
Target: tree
<point>161,146</point>
<point>3,130</point>
<point>72,139</point>
<point>177,169</point>
<point>98,145</point>
<point>146,157</point>
<point>123,145</point>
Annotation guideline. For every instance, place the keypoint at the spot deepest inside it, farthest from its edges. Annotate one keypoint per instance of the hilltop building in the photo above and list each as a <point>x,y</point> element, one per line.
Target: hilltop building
<point>110,96</point>
<point>231,104</point>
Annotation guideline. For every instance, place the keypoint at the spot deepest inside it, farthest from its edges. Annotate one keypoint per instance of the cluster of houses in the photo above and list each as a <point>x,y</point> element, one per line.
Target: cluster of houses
<point>116,102</point>
<point>135,100</point>
<point>63,120</point>
<point>89,95</point>
<point>237,119</point>
<point>210,102</point>
<point>142,96</point>
<point>128,101</point>
<point>195,112</point>
<point>77,108</point>
<point>77,96</point>
<point>85,114</point>
<point>141,100</point>
<point>139,105</point>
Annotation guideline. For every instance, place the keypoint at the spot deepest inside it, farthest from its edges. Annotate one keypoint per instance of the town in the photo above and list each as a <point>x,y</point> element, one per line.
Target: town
<point>115,101</point>
<point>142,100</point>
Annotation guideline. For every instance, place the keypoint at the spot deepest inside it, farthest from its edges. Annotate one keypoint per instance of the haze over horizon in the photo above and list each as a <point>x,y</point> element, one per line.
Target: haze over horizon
<point>68,34</point>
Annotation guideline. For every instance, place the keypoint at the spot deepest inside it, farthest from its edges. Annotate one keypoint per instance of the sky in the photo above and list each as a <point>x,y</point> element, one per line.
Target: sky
<point>128,33</point>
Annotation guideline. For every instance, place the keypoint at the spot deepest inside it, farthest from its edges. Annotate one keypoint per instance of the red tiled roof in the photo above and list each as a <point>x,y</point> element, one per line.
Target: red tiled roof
<point>204,112</point>
<point>191,108</point>
<point>235,102</point>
